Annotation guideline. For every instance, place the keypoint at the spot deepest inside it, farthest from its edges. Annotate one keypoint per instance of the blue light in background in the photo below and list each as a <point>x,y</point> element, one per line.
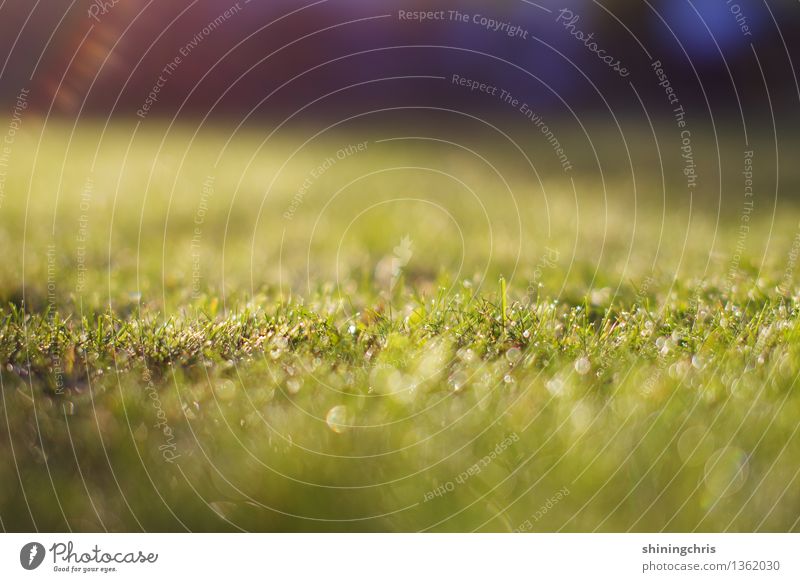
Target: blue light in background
<point>733,24</point>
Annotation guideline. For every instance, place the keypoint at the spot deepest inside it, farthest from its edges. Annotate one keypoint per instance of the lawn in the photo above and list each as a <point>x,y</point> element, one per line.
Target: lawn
<point>214,330</point>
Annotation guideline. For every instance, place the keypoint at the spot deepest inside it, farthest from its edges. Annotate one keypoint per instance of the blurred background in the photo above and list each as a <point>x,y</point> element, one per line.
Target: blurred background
<point>102,57</point>
<point>142,99</point>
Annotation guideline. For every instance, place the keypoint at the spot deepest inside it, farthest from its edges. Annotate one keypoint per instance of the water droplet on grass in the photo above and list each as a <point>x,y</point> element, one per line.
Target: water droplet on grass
<point>293,385</point>
<point>338,419</point>
<point>457,381</point>
<point>466,355</point>
<point>583,366</point>
<point>555,386</point>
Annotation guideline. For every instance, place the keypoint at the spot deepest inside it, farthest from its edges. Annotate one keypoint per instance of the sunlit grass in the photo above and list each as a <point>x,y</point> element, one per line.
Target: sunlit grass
<point>186,356</point>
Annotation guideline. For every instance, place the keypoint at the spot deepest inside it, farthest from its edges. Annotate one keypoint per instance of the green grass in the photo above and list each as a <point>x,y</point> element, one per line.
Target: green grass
<point>404,355</point>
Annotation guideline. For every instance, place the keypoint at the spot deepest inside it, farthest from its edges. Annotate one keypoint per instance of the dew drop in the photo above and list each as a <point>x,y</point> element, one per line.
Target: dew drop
<point>338,419</point>
<point>457,381</point>
<point>513,355</point>
<point>293,385</point>
<point>583,366</point>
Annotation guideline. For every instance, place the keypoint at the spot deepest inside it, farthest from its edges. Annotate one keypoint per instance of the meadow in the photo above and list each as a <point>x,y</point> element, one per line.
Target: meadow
<point>210,330</point>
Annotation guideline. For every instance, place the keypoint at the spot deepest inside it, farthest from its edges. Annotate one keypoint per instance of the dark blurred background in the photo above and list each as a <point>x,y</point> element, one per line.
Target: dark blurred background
<point>100,58</point>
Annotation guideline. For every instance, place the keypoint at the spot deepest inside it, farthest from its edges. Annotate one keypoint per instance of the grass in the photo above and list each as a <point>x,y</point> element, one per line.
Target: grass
<point>186,351</point>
